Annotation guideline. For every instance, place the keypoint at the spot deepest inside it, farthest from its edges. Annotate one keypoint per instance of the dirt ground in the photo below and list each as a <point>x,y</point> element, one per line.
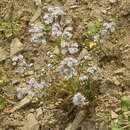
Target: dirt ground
<point>114,64</point>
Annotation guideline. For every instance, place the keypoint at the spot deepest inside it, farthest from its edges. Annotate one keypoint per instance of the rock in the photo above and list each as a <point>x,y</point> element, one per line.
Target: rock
<point>56,50</point>
<point>3,54</point>
<point>38,2</point>
<point>32,110</point>
<point>104,11</point>
<point>88,125</point>
<point>103,126</point>
<point>120,71</point>
<point>15,47</point>
<point>77,121</point>
<point>113,115</point>
<point>126,113</point>
<point>126,98</point>
<point>24,102</point>
<point>39,113</point>
<point>14,123</point>
<point>115,81</point>
<point>112,1</point>
<point>83,53</point>
<point>69,127</point>
<point>127,82</point>
<point>31,123</point>
<point>118,110</point>
<point>28,73</point>
<point>36,15</point>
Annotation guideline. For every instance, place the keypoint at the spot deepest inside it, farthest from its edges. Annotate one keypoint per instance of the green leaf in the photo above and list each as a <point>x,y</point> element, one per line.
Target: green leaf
<point>125,105</point>
<point>2,102</point>
<point>129,118</point>
<point>116,128</point>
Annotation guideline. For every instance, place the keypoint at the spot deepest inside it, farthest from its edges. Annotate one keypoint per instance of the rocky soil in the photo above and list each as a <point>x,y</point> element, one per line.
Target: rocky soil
<point>40,61</point>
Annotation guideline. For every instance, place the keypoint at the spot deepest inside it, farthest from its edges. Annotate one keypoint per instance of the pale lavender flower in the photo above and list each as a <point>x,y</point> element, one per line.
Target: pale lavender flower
<point>36,29</point>
<point>20,69</point>
<point>20,63</point>
<point>48,18</point>
<point>56,30</point>
<point>110,26</point>
<point>78,99</point>
<point>33,89</point>
<point>53,13</point>
<point>66,67</point>
<point>68,72</point>
<point>16,58</point>
<point>21,92</point>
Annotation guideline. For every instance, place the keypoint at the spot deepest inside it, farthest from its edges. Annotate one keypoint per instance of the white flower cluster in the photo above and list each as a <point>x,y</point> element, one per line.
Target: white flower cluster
<point>67,33</point>
<point>33,89</point>
<point>56,30</point>
<point>51,17</point>
<point>78,99</point>
<point>93,70</point>
<point>52,14</point>
<point>37,34</point>
<point>21,63</point>
<point>102,36</point>
<point>67,67</point>
<point>87,57</point>
<point>71,48</point>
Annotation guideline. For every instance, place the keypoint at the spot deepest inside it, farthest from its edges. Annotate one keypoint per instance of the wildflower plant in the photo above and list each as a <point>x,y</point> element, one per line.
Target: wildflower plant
<point>33,89</point>
<point>67,67</point>
<point>101,32</point>
<point>78,84</point>
<point>21,63</point>
<point>10,27</point>
<point>37,35</point>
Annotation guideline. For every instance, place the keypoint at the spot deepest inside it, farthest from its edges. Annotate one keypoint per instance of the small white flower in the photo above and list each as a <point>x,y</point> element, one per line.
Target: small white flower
<point>67,29</point>
<point>64,44</point>
<point>48,18</point>
<point>112,29</point>
<point>75,44</point>
<point>67,35</point>
<point>102,41</point>
<point>66,67</point>
<point>64,51</point>
<point>105,32</point>
<point>91,69</point>
<point>96,37</point>
<point>21,92</point>
<point>56,30</point>
<point>78,99</point>
<point>73,50</point>
<point>83,78</point>
<point>87,57</point>
<point>36,29</point>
